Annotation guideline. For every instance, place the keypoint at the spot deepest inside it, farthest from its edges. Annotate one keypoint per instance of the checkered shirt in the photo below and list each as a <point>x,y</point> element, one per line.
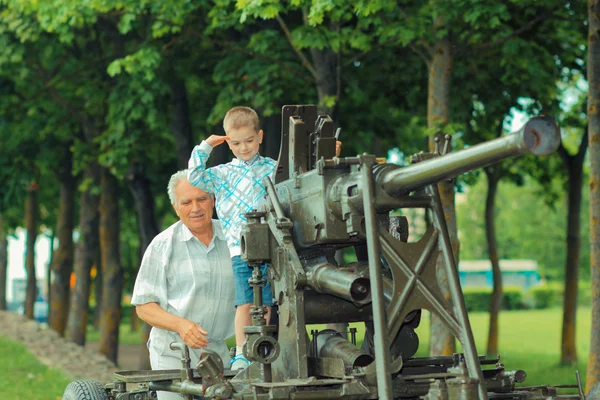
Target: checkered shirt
<point>237,186</point>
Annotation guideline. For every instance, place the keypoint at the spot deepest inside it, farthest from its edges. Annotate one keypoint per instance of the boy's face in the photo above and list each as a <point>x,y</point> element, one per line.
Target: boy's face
<point>244,142</point>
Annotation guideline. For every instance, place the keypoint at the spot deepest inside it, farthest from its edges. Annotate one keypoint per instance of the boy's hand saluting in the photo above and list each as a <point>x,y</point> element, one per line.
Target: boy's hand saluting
<point>215,140</point>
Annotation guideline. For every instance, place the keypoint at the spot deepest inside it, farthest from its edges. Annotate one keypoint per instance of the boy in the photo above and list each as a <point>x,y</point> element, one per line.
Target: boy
<point>237,186</point>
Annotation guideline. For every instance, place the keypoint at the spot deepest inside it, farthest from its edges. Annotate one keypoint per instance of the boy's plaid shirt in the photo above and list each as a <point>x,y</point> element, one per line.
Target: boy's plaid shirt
<point>237,187</point>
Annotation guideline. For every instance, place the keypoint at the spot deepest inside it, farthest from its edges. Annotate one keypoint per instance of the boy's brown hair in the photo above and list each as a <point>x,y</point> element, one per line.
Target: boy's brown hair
<point>239,117</point>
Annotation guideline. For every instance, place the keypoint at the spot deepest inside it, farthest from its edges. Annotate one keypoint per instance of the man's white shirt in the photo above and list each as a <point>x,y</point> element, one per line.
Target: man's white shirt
<point>191,280</point>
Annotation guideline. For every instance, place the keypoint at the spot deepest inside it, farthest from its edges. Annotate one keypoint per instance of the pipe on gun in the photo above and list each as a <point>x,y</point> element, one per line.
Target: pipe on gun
<point>539,136</point>
<point>341,282</point>
<point>324,309</point>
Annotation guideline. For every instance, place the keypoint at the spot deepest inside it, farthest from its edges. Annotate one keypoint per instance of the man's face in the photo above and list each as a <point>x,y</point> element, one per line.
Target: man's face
<point>244,142</point>
<point>193,206</point>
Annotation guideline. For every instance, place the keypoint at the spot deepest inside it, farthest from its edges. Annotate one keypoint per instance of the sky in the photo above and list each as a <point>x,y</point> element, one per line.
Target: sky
<point>16,260</point>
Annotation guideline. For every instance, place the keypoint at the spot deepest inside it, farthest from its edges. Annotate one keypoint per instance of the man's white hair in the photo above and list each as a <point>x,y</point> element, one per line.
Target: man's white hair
<point>175,179</point>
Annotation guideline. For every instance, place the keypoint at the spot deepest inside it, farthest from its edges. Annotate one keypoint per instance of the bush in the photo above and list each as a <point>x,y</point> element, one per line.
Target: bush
<point>546,295</point>
<point>512,298</point>
<point>550,294</point>
<point>478,299</point>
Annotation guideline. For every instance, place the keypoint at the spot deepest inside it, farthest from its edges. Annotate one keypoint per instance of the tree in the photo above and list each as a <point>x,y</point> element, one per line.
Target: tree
<point>112,271</point>
<point>593,114</point>
<point>86,254</point>
<point>62,260</point>
<point>574,164</point>
<point>31,223</point>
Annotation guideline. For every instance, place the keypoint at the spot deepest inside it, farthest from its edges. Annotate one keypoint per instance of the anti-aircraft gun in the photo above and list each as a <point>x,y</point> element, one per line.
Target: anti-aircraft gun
<point>317,205</point>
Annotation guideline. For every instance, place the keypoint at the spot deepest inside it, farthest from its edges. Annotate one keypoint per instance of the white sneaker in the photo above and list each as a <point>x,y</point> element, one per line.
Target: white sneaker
<point>238,362</point>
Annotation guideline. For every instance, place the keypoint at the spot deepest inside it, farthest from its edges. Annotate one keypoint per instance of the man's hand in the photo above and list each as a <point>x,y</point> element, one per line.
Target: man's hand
<point>215,140</point>
<point>338,148</point>
<point>192,334</point>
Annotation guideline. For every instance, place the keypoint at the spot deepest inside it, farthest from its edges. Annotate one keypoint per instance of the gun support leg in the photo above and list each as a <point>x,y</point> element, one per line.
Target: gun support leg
<point>382,356</point>
<point>458,302</point>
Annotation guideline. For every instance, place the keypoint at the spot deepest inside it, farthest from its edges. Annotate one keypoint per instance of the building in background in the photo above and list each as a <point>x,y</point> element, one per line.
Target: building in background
<point>16,279</point>
<point>478,273</point>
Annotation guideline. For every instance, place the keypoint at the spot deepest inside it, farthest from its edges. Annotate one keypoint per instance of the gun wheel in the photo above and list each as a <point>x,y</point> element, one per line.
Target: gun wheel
<point>85,390</point>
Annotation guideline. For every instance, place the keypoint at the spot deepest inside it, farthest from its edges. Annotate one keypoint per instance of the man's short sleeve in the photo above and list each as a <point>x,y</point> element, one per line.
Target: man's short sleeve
<point>151,283</point>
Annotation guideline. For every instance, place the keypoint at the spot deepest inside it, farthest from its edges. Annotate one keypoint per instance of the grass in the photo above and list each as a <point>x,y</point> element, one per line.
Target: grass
<point>529,340</point>
<point>22,376</point>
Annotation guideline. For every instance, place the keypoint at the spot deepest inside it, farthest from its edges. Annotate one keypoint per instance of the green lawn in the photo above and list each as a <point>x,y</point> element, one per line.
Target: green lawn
<point>22,376</point>
<point>529,340</point>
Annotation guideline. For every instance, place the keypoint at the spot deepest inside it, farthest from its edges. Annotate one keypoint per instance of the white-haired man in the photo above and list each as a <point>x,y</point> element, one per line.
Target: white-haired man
<point>184,288</point>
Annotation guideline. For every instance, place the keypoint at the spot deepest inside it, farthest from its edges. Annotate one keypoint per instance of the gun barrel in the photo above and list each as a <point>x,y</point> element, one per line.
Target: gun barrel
<point>341,282</point>
<point>331,344</point>
<point>539,136</point>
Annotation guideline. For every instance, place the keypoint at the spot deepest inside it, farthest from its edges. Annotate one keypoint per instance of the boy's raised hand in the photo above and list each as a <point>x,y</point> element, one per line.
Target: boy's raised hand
<point>215,140</point>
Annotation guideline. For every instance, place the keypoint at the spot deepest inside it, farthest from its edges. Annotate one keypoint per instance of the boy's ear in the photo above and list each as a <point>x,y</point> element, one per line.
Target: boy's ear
<point>260,136</point>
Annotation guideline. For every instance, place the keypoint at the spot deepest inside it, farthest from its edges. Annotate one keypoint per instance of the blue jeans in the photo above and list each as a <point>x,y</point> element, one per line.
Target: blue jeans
<point>244,294</point>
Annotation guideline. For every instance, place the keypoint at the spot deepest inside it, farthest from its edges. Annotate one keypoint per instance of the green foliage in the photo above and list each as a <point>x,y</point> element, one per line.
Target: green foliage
<point>526,227</point>
<point>551,294</point>
<point>478,299</point>
<point>512,298</point>
<point>265,82</point>
<point>547,295</point>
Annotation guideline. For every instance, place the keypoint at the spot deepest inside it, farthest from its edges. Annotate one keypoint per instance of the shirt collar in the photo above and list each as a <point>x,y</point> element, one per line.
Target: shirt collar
<point>257,159</point>
<point>186,234</point>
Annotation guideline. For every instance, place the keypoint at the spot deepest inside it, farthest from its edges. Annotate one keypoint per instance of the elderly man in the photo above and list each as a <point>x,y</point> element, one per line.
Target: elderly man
<point>184,288</point>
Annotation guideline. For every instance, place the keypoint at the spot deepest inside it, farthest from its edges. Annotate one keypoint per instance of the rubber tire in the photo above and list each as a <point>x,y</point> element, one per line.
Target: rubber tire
<point>85,390</point>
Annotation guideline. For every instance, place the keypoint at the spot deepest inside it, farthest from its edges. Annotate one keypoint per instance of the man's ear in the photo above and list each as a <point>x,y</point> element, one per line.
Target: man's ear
<point>175,208</point>
<point>260,136</point>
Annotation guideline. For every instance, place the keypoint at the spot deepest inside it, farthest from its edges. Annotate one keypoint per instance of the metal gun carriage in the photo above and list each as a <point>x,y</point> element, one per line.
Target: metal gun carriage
<point>317,205</point>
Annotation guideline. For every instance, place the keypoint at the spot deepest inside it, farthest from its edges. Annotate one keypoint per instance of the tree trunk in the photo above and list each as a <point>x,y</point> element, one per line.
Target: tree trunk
<point>48,268</point>
<point>493,177</point>
<point>593,111</point>
<point>326,67</point>
<point>574,166</point>
<point>148,228</point>
<point>62,262</point>
<point>568,342</point>
<point>86,254</point>
<point>3,263</point>
<point>98,283</point>
<point>112,273</point>
<point>31,223</point>
<point>438,103</point>
<point>181,124</point>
